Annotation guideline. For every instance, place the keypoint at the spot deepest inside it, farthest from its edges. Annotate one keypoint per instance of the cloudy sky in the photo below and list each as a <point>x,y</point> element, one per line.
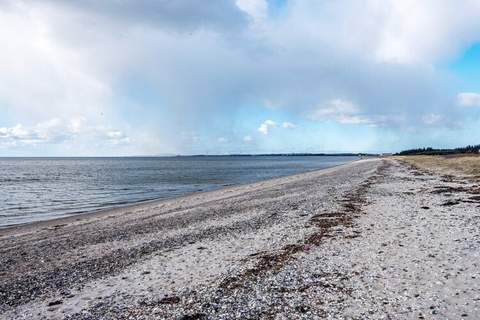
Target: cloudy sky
<point>150,77</point>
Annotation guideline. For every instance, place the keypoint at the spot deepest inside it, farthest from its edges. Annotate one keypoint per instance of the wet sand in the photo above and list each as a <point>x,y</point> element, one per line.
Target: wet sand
<point>370,239</point>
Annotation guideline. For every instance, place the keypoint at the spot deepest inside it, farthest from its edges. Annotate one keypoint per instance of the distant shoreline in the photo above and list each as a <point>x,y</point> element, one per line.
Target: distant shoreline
<point>202,155</point>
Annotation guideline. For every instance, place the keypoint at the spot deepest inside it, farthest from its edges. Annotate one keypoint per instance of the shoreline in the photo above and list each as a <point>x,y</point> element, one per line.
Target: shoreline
<point>89,216</point>
<point>372,238</point>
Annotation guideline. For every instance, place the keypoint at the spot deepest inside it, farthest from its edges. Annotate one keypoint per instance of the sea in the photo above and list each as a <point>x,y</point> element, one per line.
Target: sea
<point>35,189</point>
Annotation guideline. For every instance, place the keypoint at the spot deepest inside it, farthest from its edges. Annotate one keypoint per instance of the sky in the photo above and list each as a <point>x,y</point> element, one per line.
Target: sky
<point>149,77</point>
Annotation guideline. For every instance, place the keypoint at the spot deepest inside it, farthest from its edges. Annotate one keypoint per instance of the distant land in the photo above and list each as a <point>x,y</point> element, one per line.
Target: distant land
<point>347,154</point>
<point>433,151</point>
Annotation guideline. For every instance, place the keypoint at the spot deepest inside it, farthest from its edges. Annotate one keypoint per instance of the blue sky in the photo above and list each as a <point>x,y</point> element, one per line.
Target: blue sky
<point>466,66</point>
<point>90,78</point>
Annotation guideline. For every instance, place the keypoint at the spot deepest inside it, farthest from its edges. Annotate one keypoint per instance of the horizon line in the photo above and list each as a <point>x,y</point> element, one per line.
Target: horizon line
<point>213,155</point>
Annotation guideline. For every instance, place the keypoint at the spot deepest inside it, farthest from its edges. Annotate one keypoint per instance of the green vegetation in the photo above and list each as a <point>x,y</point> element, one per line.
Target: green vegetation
<point>432,151</point>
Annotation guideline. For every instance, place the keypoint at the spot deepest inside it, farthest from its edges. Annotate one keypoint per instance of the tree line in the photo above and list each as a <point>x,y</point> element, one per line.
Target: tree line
<point>433,151</point>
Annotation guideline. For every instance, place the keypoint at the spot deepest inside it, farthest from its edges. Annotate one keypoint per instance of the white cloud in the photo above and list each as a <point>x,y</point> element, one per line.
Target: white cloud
<point>334,108</point>
<point>42,76</point>
<point>222,139</point>
<point>266,125</point>
<point>342,111</point>
<point>469,99</point>
<point>57,131</point>
<point>288,125</point>
<point>432,119</point>
<point>257,9</point>
<point>247,138</point>
<point>354,119</point>
<point>421,31</point>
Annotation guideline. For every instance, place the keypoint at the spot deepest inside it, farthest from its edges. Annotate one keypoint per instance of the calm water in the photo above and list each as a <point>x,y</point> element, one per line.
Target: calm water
<point>33,189</point>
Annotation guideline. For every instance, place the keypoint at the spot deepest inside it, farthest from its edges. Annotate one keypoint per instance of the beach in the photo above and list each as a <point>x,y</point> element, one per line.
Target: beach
<point>371,239</point>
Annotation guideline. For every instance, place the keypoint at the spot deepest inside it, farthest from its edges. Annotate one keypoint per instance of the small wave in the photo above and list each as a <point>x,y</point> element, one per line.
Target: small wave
<point>19,179</point>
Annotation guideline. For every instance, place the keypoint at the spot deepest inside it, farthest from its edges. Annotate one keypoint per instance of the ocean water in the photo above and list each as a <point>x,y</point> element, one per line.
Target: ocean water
<point>34,189</point>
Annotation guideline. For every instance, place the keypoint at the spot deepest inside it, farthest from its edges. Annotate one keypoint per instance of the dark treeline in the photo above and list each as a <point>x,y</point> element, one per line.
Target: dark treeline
<point>432,151</point>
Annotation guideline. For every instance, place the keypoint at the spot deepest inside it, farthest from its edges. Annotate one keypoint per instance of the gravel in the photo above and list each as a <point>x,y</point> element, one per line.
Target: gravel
<point>371,239</point>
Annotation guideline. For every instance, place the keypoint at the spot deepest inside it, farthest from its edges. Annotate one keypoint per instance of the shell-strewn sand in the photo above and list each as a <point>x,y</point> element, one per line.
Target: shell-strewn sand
<point>372,239</point>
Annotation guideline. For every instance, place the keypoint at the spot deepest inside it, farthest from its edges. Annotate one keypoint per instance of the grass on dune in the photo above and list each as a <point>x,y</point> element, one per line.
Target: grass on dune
<point>458,165</point>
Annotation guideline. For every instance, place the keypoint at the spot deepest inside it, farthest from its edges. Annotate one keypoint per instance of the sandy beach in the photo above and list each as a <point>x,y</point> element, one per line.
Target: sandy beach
<point>371,239</point>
